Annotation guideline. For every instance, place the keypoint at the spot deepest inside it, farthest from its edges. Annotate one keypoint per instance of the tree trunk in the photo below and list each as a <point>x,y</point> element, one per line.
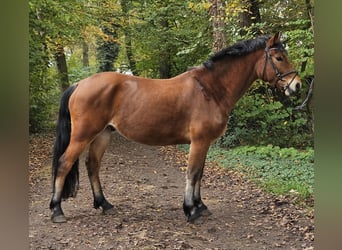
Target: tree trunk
<point>125,7</point>
<point>129,52</point>
<point>310,13</point>
<point>310,106</point>
<point>218,16</point>
<point>62,67</point>
<point>107,49</point>
<point>164,52</point>
<point>164,65</point>
<point>85,58</point>
<point>310,16</point>
<point>250,15</point>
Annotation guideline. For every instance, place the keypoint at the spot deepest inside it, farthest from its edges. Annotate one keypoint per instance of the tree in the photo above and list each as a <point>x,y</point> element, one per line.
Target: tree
<point>52,25</point>
<point>62,66</point>
<point>218,17</point>
<point>108,49</point>
<point>167,36</point>
<point>39,60</point>
<point>161,39</point>
<point>107,40</point>
<point>126,7</point>
<point>249,16</point>
<point>85,54</point>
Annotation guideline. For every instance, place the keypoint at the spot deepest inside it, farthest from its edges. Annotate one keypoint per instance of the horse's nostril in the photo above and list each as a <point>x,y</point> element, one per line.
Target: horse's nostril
<point>297,86</point>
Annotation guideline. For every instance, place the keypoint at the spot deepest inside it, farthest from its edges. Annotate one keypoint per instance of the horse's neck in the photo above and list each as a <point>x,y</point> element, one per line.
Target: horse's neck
<point>228,80</point>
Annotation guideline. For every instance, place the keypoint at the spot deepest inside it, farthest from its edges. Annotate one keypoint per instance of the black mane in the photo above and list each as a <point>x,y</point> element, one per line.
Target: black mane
<point>239,49</point>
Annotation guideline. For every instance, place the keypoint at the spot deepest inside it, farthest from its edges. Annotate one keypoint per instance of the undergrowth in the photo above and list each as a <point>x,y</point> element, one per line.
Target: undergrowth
<point>277,170</point>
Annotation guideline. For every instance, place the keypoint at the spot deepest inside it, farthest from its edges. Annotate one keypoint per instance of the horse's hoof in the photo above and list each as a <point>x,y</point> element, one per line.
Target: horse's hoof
<point>109,211</point>
<point>58,218</point>
<point>198,212</point>
<point>206,212</point>
<point>192,218</point>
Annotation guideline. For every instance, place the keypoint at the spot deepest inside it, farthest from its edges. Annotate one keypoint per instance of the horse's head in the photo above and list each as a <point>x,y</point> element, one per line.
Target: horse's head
<point>277,69</point>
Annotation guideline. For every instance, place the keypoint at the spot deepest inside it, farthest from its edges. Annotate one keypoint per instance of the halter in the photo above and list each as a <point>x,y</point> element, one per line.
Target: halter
<point>278,74</point>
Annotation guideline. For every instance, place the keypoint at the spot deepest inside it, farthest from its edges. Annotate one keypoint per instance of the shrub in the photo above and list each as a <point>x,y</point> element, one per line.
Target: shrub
<point>277,170</point>
<point>261,120</point>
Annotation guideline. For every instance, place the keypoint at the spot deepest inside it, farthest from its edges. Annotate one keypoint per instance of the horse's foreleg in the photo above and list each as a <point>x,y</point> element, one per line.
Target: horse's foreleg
<point>201,208</point>
<point>193,205</point>
<point>93,162</point>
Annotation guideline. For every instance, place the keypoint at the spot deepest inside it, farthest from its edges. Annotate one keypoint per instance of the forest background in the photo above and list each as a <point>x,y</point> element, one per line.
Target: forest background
<point>70,40</point>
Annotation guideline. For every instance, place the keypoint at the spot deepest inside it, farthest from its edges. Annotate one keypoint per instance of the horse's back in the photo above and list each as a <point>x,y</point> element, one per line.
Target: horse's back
<point>150,111</point>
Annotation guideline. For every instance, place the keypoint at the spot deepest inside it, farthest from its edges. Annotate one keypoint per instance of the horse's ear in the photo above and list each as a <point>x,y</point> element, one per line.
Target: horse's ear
<point>274,40</point>
<point>277,37</point>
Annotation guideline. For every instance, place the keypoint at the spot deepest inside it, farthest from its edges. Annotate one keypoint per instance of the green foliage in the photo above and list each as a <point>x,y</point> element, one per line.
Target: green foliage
<point>107,53</point>
<point>258,119</point>
<point>173,32</point>
<point>277,170</point>
<point>300,43</point>
<point>76,70</point>
<point>172,29</point>
<point>44,94</point>
<point>50,23</point>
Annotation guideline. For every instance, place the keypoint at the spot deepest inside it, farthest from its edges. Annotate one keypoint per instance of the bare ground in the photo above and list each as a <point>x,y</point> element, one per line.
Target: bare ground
<point>146,184</point>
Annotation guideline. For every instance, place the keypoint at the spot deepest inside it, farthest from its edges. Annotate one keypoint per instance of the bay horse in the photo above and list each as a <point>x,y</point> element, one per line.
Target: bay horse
<point>190,108</point>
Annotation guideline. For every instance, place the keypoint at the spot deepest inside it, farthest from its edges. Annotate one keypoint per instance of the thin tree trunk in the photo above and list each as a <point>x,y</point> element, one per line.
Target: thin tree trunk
<point>310,106</point>
<point>108,49</point>
<point>310,13</point>
<point>85,58</point>
<point>125,6</point>
<point>164,53</point>
<point>164,65</point>
<point>62,67</point>
<point>310,16</point>
<point>250,15</point>
<point>218,16</point>
<point>129,52</point>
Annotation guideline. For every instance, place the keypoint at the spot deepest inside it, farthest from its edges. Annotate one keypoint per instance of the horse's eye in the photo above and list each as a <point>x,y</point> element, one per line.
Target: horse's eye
<point>279,58</point>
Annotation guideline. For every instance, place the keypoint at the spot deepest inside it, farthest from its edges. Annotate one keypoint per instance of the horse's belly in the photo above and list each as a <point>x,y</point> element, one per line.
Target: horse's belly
<point>154,134</point>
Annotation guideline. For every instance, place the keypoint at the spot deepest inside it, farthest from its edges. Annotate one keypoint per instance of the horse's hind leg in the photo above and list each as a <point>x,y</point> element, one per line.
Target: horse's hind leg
<point>66,162</point>
<point>93,162</point>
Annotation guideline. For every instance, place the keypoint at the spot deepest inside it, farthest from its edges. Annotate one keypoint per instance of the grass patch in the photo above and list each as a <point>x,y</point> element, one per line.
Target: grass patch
<point>277,170</point>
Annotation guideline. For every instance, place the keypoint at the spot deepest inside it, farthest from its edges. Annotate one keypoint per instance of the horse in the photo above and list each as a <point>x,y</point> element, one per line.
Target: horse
<point>190,108</point>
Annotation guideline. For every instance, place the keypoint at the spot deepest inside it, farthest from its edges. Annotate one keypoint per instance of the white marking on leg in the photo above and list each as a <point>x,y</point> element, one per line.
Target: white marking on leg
<point>58,188</point>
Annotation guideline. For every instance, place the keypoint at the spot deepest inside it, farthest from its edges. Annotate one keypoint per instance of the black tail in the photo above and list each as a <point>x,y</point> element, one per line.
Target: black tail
<point>63,132</point>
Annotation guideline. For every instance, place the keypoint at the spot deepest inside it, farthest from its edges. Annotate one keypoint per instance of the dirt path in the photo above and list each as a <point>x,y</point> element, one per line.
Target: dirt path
<point>146,184</point>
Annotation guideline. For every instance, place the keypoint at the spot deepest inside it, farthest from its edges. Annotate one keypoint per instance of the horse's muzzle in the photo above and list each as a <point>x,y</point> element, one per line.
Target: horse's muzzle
<point>293,87</point>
